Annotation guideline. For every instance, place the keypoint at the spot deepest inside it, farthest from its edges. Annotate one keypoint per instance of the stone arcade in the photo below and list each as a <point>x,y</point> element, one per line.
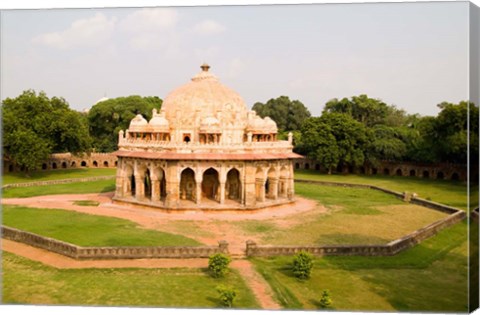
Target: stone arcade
<point>204,150</point>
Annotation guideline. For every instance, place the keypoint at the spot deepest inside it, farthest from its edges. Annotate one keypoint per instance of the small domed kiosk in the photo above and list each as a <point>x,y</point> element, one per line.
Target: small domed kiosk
<point>204,150</point>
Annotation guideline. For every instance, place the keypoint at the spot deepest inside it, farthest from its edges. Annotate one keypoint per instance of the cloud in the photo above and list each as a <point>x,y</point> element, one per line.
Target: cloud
<point>87,32</point>
<point>209,27</point>
<point>149,20</point>
<point>151,29</point>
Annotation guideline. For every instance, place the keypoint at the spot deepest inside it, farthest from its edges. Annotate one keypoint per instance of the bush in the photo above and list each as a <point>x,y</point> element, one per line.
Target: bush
<point>227,295</point>
<point>302,265</point>
<point>218,265</point>
<point>325,300</point>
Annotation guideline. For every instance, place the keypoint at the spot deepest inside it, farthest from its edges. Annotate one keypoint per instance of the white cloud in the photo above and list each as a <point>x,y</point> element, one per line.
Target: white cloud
<point>208,27</point>
<point>149,20</point>
<point>151,29</point>
<point>88,32</point>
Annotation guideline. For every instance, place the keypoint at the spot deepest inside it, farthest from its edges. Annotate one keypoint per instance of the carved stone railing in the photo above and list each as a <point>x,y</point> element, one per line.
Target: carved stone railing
<point>392,248</point>
<point>121,252</point>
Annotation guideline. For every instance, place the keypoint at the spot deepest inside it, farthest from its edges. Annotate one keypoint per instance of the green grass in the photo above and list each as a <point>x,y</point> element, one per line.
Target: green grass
<point>29,282</point>
<point>100,186</point>
<point>86,203</point>
<point>11,178</point>
<point>443,191</point>
<point>352,216</point>
<point>88,230</point>
<point>429,277</point>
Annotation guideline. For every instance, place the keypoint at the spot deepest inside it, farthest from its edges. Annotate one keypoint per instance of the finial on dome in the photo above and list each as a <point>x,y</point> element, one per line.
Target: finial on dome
<point>205,67</point>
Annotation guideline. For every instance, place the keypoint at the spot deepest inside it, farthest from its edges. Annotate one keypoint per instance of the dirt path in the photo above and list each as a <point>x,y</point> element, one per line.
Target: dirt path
<point>257,284</point>
<point>216,225</point>
<point>260,288</point>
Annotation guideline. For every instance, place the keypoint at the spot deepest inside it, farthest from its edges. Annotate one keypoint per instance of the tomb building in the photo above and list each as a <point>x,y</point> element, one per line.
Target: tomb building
<point>204,149</point>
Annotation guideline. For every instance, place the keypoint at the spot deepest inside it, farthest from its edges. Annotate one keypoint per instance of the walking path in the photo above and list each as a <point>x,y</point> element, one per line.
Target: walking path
<point>255,281</point>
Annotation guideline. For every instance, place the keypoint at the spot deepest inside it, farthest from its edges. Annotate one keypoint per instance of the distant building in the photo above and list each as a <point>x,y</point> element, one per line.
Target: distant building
<point>206,150</point>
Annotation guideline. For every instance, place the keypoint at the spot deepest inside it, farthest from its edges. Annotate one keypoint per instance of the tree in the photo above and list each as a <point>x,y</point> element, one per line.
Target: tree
<point>227,295</point>
<point>218,265</point>
<point>335,139</point>
<point>289,115</point>
<point>386,144</point>
<point>325,300</point>
<point>34,126</point>
<point>368,111</point>
<point>107,118</point>
<point>302,265</point>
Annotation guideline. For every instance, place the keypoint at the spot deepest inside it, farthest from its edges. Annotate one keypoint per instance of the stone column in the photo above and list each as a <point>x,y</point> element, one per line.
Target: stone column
<point>260,188</point>
<point>139,187</point>
<point>155,190</point>
<point>198,192</point>
<point>222,192</point>
<point>273,188</point>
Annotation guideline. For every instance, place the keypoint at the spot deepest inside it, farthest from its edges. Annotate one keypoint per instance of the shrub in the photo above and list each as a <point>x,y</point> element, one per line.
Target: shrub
<point>218,265</point>
<point>227,295</point>
<point>325,300</point>
<point>302,265</point>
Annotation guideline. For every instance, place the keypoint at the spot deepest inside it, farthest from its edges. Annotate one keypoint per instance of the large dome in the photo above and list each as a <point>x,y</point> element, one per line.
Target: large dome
<point>204,96</point>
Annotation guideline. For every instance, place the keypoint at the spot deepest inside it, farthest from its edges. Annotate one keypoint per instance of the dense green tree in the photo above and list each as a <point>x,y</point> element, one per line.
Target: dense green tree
<point>289,115</point>
<point>107,118</point>
<point>367,110</point>
<point>335,140</point>
<point>385,144</point>
<point>35,126</point>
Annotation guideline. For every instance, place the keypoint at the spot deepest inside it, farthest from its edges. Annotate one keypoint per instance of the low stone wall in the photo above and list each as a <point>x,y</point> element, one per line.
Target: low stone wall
<point>59,181</point>
<point>123,252</point>
<point>440,171</point>
<point>392,248</point>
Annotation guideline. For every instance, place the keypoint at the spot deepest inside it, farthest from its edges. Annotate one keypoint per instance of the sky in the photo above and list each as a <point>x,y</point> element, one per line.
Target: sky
<point>412,55</point>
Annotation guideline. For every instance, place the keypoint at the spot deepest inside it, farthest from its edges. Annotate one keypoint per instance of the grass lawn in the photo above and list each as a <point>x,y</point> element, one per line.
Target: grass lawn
<point>443,191</point>
<point>10,178</point>
<point>354,216</point>
<point>88,230</point>
<point>429,277</point>
<point>29,282</point>
<point>100,186</point>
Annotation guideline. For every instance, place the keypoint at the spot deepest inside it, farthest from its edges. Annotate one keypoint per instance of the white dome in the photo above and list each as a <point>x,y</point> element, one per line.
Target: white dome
<point>138,123</point>
<point>159,123</point>
<point>205,96</point>
<point>101,100</point>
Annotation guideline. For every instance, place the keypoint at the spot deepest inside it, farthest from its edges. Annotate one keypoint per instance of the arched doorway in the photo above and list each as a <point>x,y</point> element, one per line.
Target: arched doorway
<point>95,164</point>
<point>44,166</point>
<point>386,171</point>
<point>74,164</point>
<point>455,176</point>
<point>426,174</point>
<point>54,165</point>
<point>399,172</point>
<point>307,166</point>
<point>413,173</point>
<point>440,175</point>
<point>233,186</point>
<point>64,165</point>
<point>187,185</point>
<point>105,163</point>
<point>210,184</point>
<point>83,164</point>
<point>147,184</point>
